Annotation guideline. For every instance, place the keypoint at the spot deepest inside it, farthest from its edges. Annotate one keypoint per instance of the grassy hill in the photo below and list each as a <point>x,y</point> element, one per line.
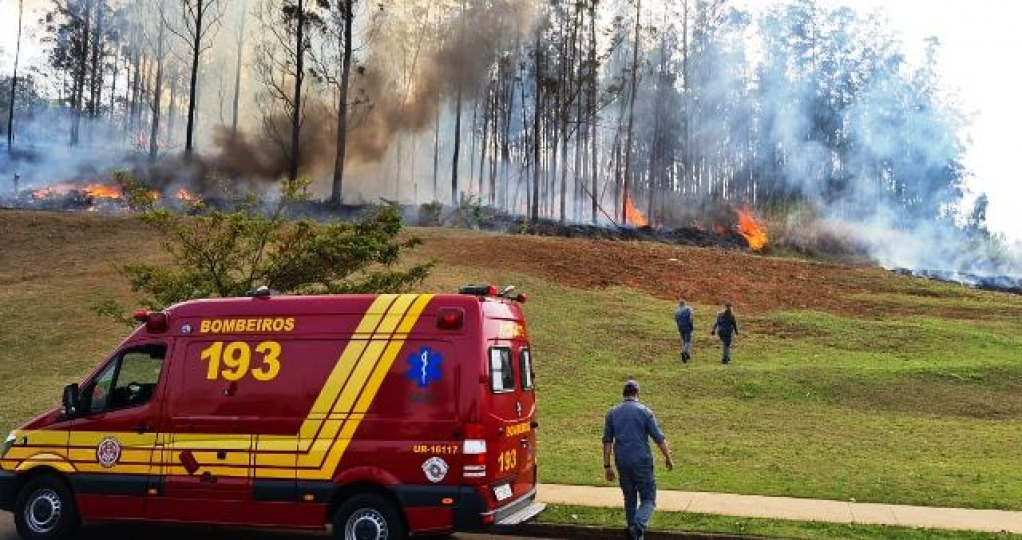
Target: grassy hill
<point>848,382</point>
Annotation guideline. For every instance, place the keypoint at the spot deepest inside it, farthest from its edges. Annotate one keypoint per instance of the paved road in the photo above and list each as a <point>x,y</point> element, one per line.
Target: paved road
<point>165,532</point>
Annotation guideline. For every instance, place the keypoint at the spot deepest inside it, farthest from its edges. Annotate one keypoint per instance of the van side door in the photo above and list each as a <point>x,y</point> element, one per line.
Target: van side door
<point>207,458</point>
<point>112,442</point>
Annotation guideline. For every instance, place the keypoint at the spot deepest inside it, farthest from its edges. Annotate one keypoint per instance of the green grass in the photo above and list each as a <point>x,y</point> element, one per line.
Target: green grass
<point>705,523</point>
<point>912,395</point>
<point>900,412</point>
<point>903,409</point>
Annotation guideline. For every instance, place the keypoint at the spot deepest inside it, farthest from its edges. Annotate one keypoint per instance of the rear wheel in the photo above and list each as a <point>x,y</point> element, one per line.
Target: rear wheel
<point>45,510</point>
<point>368,517</point>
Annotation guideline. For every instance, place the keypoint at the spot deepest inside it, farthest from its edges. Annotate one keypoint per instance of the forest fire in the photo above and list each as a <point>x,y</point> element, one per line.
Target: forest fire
<point>88,196</point>
<point>90,191</point>
<point>187,196</point>
<point>100,191</point>
<point>751,229</point>
<point>632,214</point>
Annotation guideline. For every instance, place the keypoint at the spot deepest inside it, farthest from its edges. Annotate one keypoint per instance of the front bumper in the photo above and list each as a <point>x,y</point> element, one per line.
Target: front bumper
<point>8,490</point>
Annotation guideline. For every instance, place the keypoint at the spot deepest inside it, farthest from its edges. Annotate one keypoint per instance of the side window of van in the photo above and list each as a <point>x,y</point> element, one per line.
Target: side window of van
<point>502,373</point>
<point>128,381</point>
<point>525,359</point>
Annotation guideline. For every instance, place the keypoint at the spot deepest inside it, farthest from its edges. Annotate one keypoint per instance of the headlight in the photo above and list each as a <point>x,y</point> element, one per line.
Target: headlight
<point>7,445</point>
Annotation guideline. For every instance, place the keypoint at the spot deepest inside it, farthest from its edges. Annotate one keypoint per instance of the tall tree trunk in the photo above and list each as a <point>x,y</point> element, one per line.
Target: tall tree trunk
<point>593,108</point>
<point>78,93</point>
<point>154,132</point>
<point>133,105</point>
<point>113,84</point>
<point>172,109</point>
<point>537,115</point>
<point>14,83</point>
<point>436,151</point>
<point>494,152</point>
<point>457,120</point>
<point>337,187</point>
<point>472,179</point>
<point>296,119</point>
<point>631,106</point>
<point>240,54</point>
<point>194,78</point>
<point>95,77</point>
<point>486,136</point>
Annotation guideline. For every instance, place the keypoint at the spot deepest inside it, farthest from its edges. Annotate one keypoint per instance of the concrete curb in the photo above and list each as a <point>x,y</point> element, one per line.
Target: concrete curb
<point>580,532</point>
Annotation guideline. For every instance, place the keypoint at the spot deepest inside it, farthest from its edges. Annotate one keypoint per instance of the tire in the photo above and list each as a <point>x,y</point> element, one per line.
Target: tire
<point>368,516</point>
<point>45,510</point>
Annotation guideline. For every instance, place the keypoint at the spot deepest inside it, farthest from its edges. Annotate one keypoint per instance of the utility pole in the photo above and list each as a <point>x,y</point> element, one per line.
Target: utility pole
<point>14,88</point>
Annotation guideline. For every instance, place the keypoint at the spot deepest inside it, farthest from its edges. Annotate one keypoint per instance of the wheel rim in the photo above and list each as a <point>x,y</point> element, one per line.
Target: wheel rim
<point>43,511</point>
<point>366,524</point>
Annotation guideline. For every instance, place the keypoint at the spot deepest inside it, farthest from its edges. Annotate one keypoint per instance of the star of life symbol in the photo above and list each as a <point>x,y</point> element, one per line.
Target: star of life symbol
<point>108,452</point>
<point>424,367</point>
<point>435,468</point>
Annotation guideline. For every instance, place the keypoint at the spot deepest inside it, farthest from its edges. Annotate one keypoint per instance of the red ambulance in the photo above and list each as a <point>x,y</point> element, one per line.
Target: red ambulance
<point>383,416</point>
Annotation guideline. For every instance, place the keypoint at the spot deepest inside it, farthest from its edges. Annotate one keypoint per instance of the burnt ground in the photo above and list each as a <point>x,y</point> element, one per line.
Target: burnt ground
<point>33,242</point>
<point>756,283</point>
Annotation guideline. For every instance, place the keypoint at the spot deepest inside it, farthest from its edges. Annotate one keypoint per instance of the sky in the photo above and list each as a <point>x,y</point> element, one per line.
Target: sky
<point>978,61</point>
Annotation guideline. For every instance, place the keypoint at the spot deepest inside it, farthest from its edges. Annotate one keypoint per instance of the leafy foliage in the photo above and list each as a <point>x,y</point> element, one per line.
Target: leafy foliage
<point>231,253</point>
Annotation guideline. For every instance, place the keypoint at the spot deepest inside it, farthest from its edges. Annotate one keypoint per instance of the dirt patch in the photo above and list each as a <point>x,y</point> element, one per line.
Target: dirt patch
<point>754,283</point>
<point>60,243</point>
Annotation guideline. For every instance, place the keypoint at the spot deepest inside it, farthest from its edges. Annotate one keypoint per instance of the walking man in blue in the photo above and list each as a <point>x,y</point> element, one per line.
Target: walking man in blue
<point>626,431</point>
<point>686,324</point>
<point>726,326</point>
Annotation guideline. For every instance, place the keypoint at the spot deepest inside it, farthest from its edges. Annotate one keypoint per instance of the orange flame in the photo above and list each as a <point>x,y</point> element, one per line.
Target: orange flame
<point>750,228</point>
<point>632,214</point>
<point>100,191</point>
<point>53,191</point>
<point>186,196</point>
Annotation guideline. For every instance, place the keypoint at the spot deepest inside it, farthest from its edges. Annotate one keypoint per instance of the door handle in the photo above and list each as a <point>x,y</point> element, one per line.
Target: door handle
<point>525,442</point>
<point>142,428</point>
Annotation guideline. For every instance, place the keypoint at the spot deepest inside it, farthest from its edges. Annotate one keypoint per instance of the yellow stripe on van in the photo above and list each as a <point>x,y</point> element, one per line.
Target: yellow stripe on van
<point>368,394</point>
<point>319,450</point>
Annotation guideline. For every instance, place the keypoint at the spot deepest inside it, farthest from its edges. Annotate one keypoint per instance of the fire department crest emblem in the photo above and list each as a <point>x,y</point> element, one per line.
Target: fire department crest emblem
<point>435,469</point>
<point>108,452</point>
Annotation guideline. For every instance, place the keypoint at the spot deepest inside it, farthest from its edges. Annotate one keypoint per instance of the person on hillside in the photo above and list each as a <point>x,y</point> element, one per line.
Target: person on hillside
<point>683,316</point>
<point>626,433</point>
<point>726,327</point>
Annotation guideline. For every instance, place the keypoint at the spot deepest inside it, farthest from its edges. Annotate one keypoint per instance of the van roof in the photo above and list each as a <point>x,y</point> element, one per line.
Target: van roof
<point>326,304</point>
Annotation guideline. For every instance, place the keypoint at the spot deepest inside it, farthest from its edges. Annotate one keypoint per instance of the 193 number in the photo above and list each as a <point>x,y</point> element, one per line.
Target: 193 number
<point>508,461</point>
<point>233,360</point>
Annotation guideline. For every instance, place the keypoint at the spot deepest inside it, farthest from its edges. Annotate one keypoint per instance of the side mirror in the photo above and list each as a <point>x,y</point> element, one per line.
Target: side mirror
<point>71,399</point>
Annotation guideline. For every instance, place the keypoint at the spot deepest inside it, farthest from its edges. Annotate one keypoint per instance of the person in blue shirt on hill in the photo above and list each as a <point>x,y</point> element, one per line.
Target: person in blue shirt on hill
<point>726,326</point>
<point>626,433</point>
<point>683,316</point>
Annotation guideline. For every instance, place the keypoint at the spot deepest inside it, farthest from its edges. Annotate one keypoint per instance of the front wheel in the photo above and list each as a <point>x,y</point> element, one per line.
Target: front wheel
<point>45,510</point>
<point>368,517</point>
